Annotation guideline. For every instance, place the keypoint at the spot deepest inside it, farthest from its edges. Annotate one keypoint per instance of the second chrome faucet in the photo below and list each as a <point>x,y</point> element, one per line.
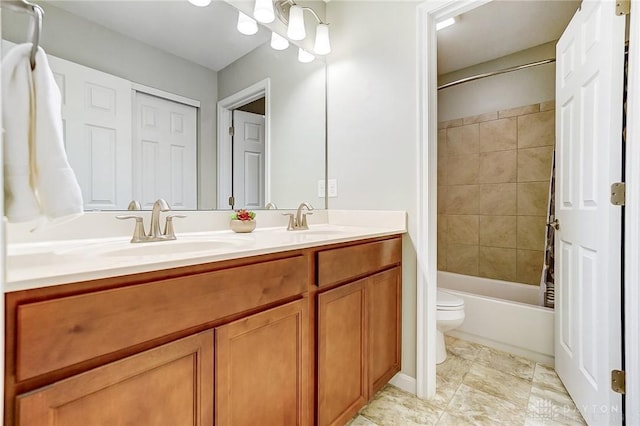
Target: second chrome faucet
<point>168,234</point>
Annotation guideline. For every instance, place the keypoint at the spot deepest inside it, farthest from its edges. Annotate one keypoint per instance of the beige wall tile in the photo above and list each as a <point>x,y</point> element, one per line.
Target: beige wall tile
<point>462,259</point>
<point>462,229</point>
<point>462,170</point>
<point>498,231</point>
<point>530,233</point>
<point>442,199</point>
<point>451,123</point>
<point>442,256</point>
<point>497,263</point>
<point>498,199</point>
<point>499,135</point>
<point>442,172</point>
<point>462,140</point>
<point>534,164</point>
<point>528,109</point>
<point>548,105</point>
<point>536,129</point>
<point>442,144</point>
<point>442,228</point>
<point>529,266</point>
<point>480,118</point>
<point>462,199</point>
<point>498,167</point>
<point>533,198</point>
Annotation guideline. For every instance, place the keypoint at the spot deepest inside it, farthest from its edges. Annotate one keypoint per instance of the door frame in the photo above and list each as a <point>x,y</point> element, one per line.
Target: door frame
<point>427,14</point>
<point>225,140</point>
<point>632,227</point>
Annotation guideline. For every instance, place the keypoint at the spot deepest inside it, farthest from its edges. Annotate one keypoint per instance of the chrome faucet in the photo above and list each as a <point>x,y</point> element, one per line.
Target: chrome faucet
<point>299,221</point>
<point>271,205</point>
<point>140,236</point>
<point>159,206</point>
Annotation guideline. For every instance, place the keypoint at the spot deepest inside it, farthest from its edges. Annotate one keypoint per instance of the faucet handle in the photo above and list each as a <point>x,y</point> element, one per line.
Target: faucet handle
<point>138,231</point>
<point>168,226</point>
<point>304,223</point>
<point>291,225</point>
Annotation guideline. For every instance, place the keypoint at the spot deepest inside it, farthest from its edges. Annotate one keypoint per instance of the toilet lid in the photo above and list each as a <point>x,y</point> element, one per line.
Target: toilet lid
<point>448,300</point>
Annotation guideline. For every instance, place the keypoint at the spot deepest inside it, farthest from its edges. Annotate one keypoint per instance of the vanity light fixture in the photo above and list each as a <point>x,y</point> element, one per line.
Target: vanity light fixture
<point>304,56</point>
<point>278,42</point>
<point>263,11</point>
<point>446,23</point>
<point>246,25</point>
<point>200,3</point>
<point>292,15</point>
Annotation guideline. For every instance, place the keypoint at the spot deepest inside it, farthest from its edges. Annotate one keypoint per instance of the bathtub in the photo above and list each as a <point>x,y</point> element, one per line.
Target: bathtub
<point>503,315</point>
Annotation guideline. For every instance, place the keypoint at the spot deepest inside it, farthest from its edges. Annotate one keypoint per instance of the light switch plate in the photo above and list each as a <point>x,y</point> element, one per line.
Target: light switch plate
<point>321,188</point>
<point>332,185</point>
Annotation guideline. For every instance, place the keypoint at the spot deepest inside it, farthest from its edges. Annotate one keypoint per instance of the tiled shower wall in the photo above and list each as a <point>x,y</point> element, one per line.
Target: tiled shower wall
<point>493,186</point>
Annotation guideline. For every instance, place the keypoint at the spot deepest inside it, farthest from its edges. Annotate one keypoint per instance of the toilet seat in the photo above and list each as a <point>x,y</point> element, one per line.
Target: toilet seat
<point>448,302</point>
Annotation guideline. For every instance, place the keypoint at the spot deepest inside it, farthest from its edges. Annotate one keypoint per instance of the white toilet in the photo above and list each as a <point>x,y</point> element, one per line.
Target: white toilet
<point>449,316</point>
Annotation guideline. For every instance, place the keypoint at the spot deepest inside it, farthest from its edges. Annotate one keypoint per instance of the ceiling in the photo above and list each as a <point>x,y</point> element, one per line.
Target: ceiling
<point>207,36</point>
<point>499,28</point>
<point>204,35</point>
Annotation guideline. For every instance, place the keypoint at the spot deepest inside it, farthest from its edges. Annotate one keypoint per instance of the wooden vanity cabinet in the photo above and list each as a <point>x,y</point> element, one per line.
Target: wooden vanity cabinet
<point>168,385</point>
<point>294,338</point>
<point>262,368</point>
<point>358,327</point>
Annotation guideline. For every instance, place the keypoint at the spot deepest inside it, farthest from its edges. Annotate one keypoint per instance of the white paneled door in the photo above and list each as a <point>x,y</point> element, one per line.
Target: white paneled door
<point>589,88</point>
<point>96,113</point>
<point>248,160</point>
<point>164,152</point>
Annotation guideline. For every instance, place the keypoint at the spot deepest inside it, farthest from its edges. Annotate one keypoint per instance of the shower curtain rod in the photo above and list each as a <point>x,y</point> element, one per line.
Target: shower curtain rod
<point>489,74</point>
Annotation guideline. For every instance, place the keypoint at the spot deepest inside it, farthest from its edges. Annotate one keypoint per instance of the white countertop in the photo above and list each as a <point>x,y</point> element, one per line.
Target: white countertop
<point>54,262</point>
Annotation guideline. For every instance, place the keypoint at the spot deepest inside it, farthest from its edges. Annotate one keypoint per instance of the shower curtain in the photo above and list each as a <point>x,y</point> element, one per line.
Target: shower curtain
<point>547,281</point>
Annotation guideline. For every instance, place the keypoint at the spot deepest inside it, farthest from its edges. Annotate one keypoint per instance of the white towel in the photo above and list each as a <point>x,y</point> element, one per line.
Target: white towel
<point>38,181</point>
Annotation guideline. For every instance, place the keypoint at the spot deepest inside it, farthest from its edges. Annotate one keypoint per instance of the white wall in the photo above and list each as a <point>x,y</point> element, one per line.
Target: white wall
<point>504,91</point>
<point>73,38</point>
<point>297,102</point>
<point>372,124</point>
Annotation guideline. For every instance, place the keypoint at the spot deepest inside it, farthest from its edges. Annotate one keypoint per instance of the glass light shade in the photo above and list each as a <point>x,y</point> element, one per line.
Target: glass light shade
<point>246,25</point>
<point>322,45</point>
<point>295,30</point>
<point>278,42</point>
<point>200,3</point>
<point>263,11</point>
<point>304,56</point>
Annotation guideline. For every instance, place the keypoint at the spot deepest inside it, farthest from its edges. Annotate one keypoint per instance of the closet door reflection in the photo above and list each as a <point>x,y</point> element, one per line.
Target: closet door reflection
<point>164,152</point>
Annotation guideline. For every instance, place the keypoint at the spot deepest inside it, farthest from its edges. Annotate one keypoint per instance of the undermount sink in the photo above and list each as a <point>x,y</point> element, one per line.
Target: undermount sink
<point>161,248</point>
<point>181,246</point>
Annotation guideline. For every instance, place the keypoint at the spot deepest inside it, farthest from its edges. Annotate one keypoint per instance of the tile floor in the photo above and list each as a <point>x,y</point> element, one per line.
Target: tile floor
<point>478,385</point>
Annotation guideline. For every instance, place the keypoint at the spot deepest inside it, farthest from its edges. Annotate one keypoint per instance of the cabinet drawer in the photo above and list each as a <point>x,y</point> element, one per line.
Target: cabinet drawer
<point>62,332</point>
<point>344,263</point>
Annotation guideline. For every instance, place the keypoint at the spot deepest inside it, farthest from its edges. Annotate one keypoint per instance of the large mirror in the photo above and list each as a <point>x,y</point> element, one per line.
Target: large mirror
<point>192,65</point>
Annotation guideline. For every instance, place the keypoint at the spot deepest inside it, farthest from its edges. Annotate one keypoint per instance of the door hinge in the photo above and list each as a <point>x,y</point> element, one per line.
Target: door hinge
<point>623,7</point>
<point>230,131</point>
<point>232,201</point>
<point>617,381</point>
<point>618,193</point>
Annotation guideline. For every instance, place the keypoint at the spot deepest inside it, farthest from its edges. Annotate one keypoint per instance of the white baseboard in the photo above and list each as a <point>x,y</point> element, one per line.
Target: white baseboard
<point>404,382</point>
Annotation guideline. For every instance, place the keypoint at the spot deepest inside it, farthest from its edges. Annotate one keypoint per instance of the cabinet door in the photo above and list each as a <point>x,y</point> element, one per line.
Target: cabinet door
<point>342,381</point>
<point>168,385</point>
<point>384,326</point>
<point>261,368</point>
